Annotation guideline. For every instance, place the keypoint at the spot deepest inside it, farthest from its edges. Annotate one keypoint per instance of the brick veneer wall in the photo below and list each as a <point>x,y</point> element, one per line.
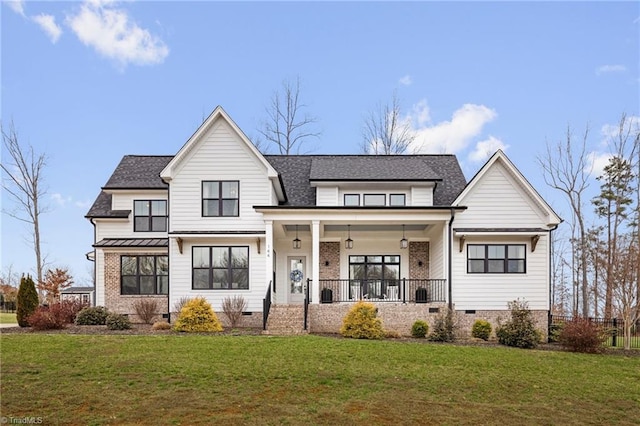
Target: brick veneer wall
<point>123,304</point>
<point>418,252</point>
<point>398,317</point>
<point>330,252</point>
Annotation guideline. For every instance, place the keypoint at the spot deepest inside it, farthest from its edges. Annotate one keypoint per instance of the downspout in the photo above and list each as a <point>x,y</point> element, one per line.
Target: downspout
<point>95,284</point>
<point>450,261</point>
<point>551,249</point>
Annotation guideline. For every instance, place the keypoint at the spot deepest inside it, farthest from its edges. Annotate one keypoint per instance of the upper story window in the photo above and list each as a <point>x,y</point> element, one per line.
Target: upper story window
<point>144,274</point>
<point>150,216</point>
<point>397,200</point>
<point>351,199</point>
<point>375,199</point>
<point>496,258</point>
<point>220,198</point>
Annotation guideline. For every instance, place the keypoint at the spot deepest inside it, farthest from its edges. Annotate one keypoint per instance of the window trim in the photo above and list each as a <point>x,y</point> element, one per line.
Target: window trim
<point>220,199</point>
<point>506,258</point>
<point>344,200</point>
<point>150,216</point>
<point>404,199</point>
<point>364,200</point>
<point>137,275</point>
<point>229,268</point>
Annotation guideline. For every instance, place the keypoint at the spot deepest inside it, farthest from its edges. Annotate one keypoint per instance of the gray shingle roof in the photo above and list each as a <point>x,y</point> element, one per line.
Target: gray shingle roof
<point>139,171</point>
<point>297,172</point>
<point>371,168</point>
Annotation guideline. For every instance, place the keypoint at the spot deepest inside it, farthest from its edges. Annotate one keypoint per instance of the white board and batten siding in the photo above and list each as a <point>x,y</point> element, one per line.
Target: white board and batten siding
<point>219,156</point>
<point>498,200</point>
<point>180,274</point>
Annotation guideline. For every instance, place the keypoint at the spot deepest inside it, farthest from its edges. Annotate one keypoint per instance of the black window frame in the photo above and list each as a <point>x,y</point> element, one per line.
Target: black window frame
<point>404,200</point>
<point>364,200</point>
<point>150,216</point>
<point>220,199</point>
<point>211,269</point>
<point>138,276</point>
<point>344,200</point>
<point>506,259</point>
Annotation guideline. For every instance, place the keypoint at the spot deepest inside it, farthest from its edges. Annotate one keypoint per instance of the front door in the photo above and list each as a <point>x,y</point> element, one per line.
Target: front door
<point>297,279</point>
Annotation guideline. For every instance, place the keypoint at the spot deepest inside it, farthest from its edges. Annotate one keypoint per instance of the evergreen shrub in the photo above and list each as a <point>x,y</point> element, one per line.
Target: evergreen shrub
<point>197,316</point>
<point>27,301</point>
<point>362,322</point>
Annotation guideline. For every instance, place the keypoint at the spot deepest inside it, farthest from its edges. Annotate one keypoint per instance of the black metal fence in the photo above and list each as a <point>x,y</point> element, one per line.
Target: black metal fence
<point>404,290</point>
<point>7,306</point>
<point>266,307</point>
<point>613,327</point>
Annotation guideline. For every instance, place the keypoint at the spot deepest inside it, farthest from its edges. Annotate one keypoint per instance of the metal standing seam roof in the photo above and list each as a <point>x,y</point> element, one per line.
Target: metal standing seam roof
<point>297,172</point>
<point>133,242</point>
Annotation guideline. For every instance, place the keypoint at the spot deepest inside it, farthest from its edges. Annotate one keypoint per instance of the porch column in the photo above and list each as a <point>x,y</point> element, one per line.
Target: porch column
<point>268,251</point>
<point>315,261</point>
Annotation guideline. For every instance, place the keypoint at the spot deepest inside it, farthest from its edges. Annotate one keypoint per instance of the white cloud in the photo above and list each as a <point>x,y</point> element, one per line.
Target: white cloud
<point>448,136</point>
<point>406,80</point>
<point>49,26</point>
<point>113,34</point>
<point>486,148</point>
<point>16,5</point>
<point>604,69</point>
<point>596,162</point>
<point>60,199</point>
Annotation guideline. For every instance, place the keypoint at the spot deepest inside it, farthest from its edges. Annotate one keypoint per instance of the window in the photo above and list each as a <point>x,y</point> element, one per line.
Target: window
<point>220,268</point>
<point>220,198</point>
<point>144,274</point>
<point>150,216</point>
<point>496,258</point>
<point>397,200</point>
<point>373,275</point>
<point>375,199</point>
<point>351,199</point>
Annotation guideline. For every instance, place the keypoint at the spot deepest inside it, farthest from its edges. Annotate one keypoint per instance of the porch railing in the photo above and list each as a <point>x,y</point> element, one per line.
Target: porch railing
<point>266,307</point>
<point>403,290</point>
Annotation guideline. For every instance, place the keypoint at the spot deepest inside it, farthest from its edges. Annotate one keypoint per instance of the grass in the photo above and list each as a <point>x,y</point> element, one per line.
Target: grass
<point>200,379</point>
<point>8,318</point>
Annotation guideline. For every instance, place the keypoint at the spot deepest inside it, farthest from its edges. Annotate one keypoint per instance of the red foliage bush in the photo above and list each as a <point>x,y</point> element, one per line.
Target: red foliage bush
<point>582,335</point>
<point>55,316</point>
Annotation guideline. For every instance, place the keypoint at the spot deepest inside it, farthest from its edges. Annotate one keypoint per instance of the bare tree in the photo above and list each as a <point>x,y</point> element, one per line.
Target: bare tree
<point>385,132</point>
<point>626,289</point>
<point>565,168</point>
<point>23,183</point>
<point>287,126</point>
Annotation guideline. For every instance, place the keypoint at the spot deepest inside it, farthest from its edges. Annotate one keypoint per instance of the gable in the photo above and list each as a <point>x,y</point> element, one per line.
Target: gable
<point>500,197</point>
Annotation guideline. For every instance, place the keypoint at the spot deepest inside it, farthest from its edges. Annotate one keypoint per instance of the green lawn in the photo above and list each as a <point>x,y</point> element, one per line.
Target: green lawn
<point>8,318</point>
<point>200,379</point>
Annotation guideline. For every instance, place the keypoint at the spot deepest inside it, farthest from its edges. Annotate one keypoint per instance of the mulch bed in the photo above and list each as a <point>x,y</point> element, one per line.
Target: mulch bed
<point>146,329</point>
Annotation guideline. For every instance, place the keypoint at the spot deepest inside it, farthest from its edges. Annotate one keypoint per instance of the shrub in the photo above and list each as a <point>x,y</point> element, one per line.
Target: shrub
<point>391,334</point>
<point>233,308</point>
<point>197,315</point>
<point>419,329</point>
<point>481,329</point>
<point>96,315</point>
<point>444,327</point>
<point>520,331</point>
<point>46,318</point>
<point>179,304</point>
<point>582,335</point>
<point>146,309</point>
<point>55,316</point>
<point>161,325</point>
<point>554,332</point>
<point>27,301</point>
<point>362,322</point>
<point>117,322</point>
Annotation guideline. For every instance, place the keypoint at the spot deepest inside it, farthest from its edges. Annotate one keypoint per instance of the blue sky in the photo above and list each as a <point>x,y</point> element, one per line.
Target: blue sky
<point>88,82</point>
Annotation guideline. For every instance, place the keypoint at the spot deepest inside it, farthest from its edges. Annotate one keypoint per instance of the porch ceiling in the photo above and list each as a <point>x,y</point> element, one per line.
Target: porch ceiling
<point>360,228</point>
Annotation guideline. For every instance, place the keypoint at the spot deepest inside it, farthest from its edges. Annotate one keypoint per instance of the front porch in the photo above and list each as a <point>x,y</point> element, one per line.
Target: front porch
<point>402,290</point>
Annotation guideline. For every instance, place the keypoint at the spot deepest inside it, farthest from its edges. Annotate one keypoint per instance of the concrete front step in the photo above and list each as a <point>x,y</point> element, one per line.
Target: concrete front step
<point>286,320</point>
